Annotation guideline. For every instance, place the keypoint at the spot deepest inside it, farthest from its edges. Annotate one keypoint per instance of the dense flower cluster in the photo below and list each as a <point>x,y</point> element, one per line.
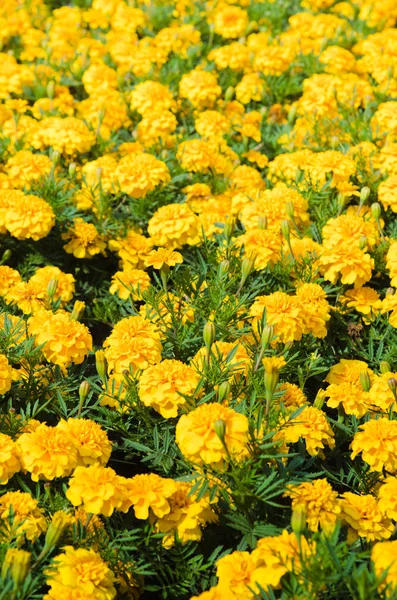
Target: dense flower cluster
<point>198,306</point>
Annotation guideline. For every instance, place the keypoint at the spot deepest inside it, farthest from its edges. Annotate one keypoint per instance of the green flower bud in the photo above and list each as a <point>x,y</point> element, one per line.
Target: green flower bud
<point>290,209</point>
<point>52,288</point>
<point>224,391</point>
<point>220,429</point>
<point>365,381</point>
<point>384,367</point>
<point>376,210</point>
<point>363,242</point>
<point>100,363</point>
<point>223,268</point>
<point>364,194</point>
<point>229,93</point>
<point>298,521</point>
<point>286,229</point>
<point>209,334</point>
<point>267,336</point>
<point>17,565</point>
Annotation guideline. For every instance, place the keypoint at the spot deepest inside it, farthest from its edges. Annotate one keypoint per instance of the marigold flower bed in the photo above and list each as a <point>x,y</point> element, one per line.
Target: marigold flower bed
<point>198,307</point>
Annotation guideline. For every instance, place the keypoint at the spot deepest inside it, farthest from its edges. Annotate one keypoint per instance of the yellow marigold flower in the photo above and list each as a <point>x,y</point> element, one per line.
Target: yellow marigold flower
<point>157,128</point>
<point>364,517</point>
<point>352,397</point>
<point>65,340</point>
<point>231,357</point>
<point>312,426</point>
<point>199,442</point>
<point>349,227</point>
<point>133,249</point>
<point>25,167</point>
<point>263,244</point>
<point>365,300</point>
<point>91,441</point>
<point>387,498</point>
<point>29,296</point>
<point>99,490</point>
<point>384,558</point>
<point>387,194</point>
<point>29,217</point>
<point>65,282</point>
<point>47,453</point>
<point>84,241</point>
<point>235,56</point>
<point>230,21</point>
<point>257,157</point>
<point>8,278</point>
<point>174,225</point>
<point>250,88</point>
<point>239,573</point>
<point>377,442</point>
<point>134,342</point>
<point>130,282</point>
<point>278,555</point>
<point>186,517</point>
<point>347,261</point>
<point>138,174</point>
<point>163,257</point>
<point>197,156</point>
<point>150,96</point>
<point>82,571</point>
<point>315,309</point>
<point>273,363</point>
<point>391,263</point>
<point>283,312</point>
<point>165,385</point>
<point>149,494</point>
<point>200,88</point>
<point>292,396</point>
<point>5,375</point>
<point>9,458</point>
<point>319,502</point>
<point>29,519</point>
<point>99,77</point>
<point>348,371</point>
<point>380,393</point>
<point>211,123</point>
<point>337,60</point>
<point>69,136</point>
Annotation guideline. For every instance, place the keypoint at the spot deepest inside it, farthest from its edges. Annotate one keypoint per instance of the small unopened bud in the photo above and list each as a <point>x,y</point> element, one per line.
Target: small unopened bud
<point>50,89</point>
<point>78,310</point>
<point>262,222</point>
<point>220,429</point>
<point>392,383</point>
<point>384,367</point>
<point>376,210</point>
<point>209,334</point>
<point>229,228</point>
<point>247,265</point>
<point>290,209</point>
<point>341,200</point>
<point>6,256</point>
<point>364,194</point>
<point>390,291</point>
<point>298,521</point>
<point>286,229</point>
<point>267,336</point>
<point>363,242</point>
<point>101,114</point>
<point>292,114</point>
<point>224,391</point>
<point>229,93</point>
<point>365,381</point>
<point>84,390</point>
<point>55,156</point>
<point>72,169</point>
<point>223,268</point>
<point>100,363</point>
<point>52,288</point>
<point>17,565</point>
<point>319,399</point>
<point>59,522</point>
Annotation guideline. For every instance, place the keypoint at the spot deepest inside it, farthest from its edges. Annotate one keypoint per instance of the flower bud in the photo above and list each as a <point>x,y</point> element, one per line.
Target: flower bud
<point>285,229</point>
<point>209,334</point>
<point>376,210</point>
<point>52,288</point>
<point>223,268</point>
<point>78,310</point>
<point>392,383</point>
<point>341,201</point>
<point>364,194</point>
<point>384,367</point>
<point>290,209</point>
<point>98,173</point>
<point>17,564</point>
<point>59,522</point>
<point>84,390</point>
<point>319,399</point>
<point>298,521</point>
<point>72,169</point>
<point>292,114</point>
<point>100,363</point>
<point>365,381</point>
<point>101,115</point>
<point>220,429</point>
<point>262,222</point>
<point>267,336</point>
<point>55,156</point>
<point>6,256</point>
<point>390,291</point>
<point>224,391</point>
<point>247,264</point>
<point>229,93</point>
<point>229,228</point>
